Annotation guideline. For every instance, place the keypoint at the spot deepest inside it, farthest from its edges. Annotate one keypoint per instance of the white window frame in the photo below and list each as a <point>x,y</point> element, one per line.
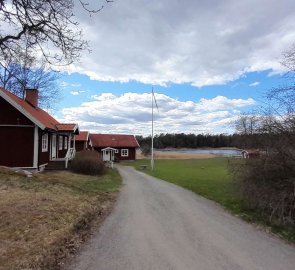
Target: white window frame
<point>60,142</point>
<point>44,142</point>
<point>116,151</point>
<point>66,143</point>
<point>124,152</point>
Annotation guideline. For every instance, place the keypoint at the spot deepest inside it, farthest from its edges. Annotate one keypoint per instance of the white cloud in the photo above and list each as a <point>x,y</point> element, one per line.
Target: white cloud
<point>131,113</point>
<point>66,84</point>
<point>254,84</point>
<point>197,42</point>
<point>74,93</point>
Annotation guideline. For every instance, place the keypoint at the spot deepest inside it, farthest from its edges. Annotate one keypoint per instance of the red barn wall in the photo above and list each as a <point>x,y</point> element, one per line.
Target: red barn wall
<point>131,154</point>
<point>118,157</point>
<point>16,146</point>
<point>80,145</point>
<point>11,116</point>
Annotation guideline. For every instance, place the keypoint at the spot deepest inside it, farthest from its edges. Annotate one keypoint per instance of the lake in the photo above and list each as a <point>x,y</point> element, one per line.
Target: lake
<point>219,152</point>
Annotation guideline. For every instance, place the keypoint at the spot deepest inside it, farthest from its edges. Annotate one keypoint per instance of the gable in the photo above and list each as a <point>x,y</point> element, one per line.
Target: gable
<point>83,136</point>
<point>11,116</point>
<point>36,115</point>
<point>22,106</point>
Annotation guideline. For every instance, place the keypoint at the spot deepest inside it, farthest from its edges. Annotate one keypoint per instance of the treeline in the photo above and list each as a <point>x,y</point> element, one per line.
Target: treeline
<point>182,140</point>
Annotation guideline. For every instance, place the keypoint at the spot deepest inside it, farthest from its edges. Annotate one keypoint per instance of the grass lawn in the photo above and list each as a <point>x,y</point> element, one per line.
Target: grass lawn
<point>211,179</point>
<point>45,217</point>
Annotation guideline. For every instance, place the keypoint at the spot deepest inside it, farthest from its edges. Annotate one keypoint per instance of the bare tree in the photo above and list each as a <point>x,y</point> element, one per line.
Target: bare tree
<point>282,98</point>
<point>247,126</point>
<point>25,71</point>
<point>36,34</point>
<point>46,26</point>
<point>267,183</point>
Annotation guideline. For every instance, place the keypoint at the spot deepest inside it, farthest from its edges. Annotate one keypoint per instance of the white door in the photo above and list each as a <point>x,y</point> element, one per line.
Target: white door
<point>53,146</point>
<point>106,155</point>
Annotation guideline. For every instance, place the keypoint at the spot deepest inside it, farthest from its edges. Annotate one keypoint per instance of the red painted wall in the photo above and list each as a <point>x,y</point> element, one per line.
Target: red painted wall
<point>16,146</point>
<point>44,157</point>
<point>131,154</point>
<point>16,143</point>
<point>11,116</point>
<point>80,146</point>
<point>118,157</point>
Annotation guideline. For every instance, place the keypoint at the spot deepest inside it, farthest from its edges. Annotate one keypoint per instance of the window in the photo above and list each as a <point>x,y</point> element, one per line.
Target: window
<point>45,143</point>
<point>116,151</point>
<point>66,143</point>
<point>124,152</point>
<point>60,141</point>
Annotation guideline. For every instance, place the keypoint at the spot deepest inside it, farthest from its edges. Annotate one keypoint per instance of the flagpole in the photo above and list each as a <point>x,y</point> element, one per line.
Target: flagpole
<point>152,154</point>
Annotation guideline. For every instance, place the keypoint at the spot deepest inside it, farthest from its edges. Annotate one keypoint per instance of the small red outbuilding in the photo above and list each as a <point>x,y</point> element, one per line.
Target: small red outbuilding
<point>83,141</point>
<point>115,147</point>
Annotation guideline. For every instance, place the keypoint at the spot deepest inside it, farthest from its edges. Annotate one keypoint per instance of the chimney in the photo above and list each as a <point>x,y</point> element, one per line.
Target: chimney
<point>32,97</point>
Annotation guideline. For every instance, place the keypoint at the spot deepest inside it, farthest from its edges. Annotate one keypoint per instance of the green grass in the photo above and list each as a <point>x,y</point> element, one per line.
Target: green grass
<point>207,177</point>
<point>211,178</point>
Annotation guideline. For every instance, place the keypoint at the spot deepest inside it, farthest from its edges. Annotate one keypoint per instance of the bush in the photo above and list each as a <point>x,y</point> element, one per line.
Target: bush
<point>267,186</point>
<point>88,162</point>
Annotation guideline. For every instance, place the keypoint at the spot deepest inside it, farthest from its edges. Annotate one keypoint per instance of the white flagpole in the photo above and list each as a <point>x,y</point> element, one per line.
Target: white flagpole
<point>152,154</point>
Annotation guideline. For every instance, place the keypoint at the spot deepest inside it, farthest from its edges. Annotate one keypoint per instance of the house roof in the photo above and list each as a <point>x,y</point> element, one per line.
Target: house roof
<point>68,128</point>
<point>83,136</point>
<point>113,140</point>
<point>38,116</point>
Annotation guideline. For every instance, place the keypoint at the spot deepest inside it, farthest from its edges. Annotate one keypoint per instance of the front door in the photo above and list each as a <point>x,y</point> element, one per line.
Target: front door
<point>107,155</point>
<point>53,146</point>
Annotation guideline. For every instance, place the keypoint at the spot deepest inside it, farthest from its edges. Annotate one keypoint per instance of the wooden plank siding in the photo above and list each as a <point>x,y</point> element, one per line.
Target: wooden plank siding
<point>17,146</point>
<point>118,156</point>
<point>11,116</point>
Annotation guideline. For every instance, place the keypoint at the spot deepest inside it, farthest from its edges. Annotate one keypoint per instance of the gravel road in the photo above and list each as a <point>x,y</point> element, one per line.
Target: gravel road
<point>157,225</point>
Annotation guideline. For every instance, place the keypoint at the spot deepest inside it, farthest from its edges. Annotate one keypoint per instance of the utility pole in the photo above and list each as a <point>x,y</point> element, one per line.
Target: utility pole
<point>152,153</point>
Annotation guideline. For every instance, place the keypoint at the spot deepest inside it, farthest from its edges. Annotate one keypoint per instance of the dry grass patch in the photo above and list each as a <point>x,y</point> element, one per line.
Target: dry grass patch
<point>45,217</point>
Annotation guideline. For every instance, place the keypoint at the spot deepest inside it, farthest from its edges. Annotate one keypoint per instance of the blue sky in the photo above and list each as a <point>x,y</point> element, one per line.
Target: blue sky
<point>205,72</point>
<point>77,88</point>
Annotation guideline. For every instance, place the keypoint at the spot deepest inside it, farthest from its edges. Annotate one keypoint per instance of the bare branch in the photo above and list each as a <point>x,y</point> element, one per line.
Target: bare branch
<point>45,25</point>
<point>24,71</point>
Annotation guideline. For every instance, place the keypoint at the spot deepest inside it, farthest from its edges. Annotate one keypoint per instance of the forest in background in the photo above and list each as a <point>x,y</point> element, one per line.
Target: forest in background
<point>182,140</point>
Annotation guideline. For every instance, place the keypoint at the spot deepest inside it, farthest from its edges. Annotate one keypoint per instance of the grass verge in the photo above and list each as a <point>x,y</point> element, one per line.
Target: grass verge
<point>46,217</point>
<point>211,178</point>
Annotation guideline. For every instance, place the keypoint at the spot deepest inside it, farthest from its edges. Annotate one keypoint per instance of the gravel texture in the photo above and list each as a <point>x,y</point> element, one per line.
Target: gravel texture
<point>157,225</point>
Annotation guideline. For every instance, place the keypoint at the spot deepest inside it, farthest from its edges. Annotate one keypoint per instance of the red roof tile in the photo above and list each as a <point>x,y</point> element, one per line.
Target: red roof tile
<point>66,127</point>
<point>83,136</point>
<point>35,114</point>
<point>113,140</point>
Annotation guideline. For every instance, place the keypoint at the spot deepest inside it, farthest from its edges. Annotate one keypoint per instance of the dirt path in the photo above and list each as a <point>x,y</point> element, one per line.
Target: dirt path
<point>157,225</point>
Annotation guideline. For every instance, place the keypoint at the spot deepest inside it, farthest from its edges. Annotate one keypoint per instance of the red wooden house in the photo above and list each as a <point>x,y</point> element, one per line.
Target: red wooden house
<point>114,147</point>
<point>29,136</point>
<point>83,141</point>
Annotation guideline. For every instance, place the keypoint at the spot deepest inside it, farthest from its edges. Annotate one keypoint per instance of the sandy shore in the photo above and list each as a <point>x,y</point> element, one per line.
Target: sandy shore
<point>175,155</point>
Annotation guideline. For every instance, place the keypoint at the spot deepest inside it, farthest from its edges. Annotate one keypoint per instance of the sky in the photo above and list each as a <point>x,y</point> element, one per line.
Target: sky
<point>206,61</point>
